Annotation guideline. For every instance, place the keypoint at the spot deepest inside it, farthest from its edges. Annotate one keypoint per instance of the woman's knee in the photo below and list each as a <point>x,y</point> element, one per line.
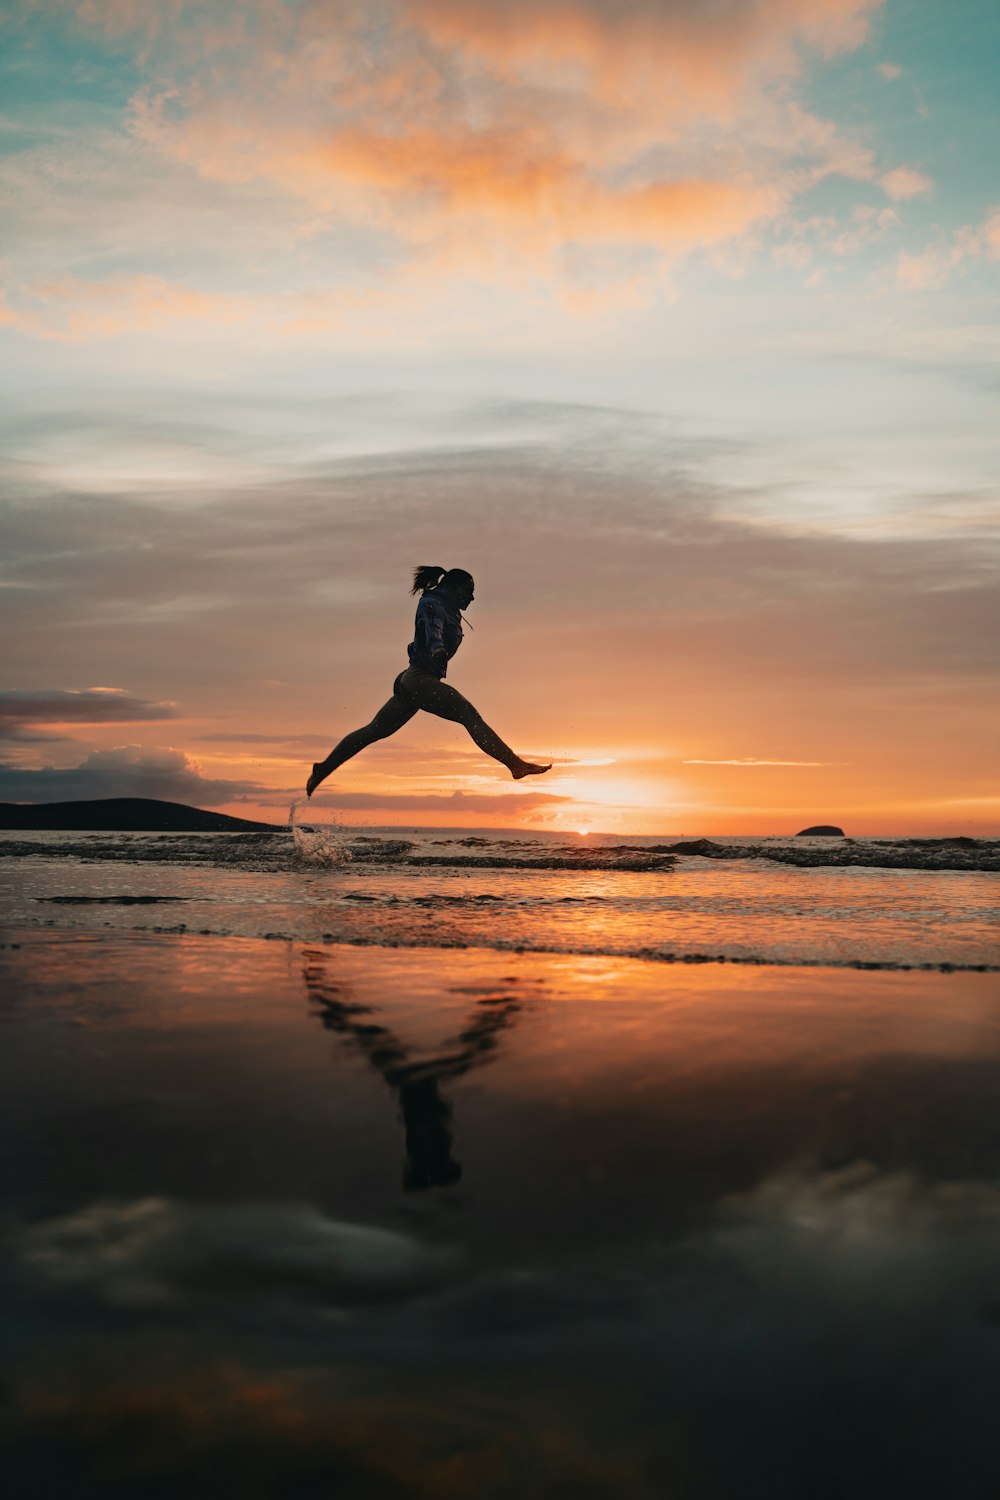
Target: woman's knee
<point>376,730</point>
<point>388,719</point>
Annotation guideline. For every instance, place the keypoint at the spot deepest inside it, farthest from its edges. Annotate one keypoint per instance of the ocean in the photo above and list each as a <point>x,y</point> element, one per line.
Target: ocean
<point>877,903</point>
<point>482,1164</point>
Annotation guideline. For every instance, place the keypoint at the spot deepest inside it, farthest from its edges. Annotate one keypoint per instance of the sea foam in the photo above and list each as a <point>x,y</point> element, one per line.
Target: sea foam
<point>321,844</point>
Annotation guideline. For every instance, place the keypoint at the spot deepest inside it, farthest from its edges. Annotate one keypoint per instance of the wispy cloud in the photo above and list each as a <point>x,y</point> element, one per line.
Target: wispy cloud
<point>906,182</point>
<point>399,147</point>
<point>73,308</point>
<point>282,741</point>
<point>800,241</point>
<point>750,760</point>
<point>933,267</point>
<point>23,711</point>
<point>514,804</point>
<point>278,564</point>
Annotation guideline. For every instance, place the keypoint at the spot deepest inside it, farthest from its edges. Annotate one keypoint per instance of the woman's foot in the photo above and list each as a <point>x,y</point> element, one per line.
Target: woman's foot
<point>319,775</point>
<point>528,768</point>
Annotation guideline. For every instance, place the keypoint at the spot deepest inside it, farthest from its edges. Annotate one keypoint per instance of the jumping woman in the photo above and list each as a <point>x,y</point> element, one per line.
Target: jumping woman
<point>436,638</point>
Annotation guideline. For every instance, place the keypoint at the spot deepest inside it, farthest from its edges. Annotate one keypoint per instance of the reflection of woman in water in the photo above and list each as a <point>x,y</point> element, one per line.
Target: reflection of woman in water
<point>427,1118</point>
<point>437,636</point>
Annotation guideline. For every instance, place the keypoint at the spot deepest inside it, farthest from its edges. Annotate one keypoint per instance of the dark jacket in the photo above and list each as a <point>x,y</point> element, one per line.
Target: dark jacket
<point>437,633</point>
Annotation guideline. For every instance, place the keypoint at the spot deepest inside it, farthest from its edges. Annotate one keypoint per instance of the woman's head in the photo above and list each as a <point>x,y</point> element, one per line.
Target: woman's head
<point>456,580</point>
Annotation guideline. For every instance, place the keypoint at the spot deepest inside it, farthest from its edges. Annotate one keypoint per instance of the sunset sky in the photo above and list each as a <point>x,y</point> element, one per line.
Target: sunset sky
<point>673,321</point>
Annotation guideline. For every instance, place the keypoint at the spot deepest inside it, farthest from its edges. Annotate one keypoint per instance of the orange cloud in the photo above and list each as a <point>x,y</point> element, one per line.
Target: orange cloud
<point>572,147</point>
<point>549,196</point>
<point>687,55</point>
<point>75,309</point>
<point>550,122</point>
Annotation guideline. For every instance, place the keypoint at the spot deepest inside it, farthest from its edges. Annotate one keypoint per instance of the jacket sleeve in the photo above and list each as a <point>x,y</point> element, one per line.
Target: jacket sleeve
<point>434,621</point>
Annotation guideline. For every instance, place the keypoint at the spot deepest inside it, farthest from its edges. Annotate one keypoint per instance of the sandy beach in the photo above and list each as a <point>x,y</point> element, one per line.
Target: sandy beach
<point>299,1218</point>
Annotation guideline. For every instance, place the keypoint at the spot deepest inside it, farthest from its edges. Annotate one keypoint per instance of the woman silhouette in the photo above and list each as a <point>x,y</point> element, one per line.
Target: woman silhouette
<point>436,638</point>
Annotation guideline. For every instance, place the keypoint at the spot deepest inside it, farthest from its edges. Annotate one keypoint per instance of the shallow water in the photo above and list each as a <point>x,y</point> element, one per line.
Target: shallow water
<point>442,1191</point>
<point>294,1219</point>
<point>430,889</point>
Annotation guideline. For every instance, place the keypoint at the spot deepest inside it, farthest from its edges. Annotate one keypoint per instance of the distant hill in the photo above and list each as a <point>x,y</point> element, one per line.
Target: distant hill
<point>124,815</point>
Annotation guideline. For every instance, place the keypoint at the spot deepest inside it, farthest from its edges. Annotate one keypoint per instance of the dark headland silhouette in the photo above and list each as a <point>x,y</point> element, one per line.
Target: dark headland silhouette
<point>124,815</point>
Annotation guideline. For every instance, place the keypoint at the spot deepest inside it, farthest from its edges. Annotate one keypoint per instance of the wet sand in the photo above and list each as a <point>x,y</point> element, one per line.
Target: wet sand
<point>288,1218</point>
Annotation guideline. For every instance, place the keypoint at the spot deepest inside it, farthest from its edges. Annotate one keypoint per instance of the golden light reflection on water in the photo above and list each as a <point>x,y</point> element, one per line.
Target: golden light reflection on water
<point>425,1436</point>
<point>748,910</point>
<point>440,1220</point>
<point>609,1009</point>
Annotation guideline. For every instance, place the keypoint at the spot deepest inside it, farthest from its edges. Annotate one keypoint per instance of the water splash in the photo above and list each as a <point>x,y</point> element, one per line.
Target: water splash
<point>323,845</point>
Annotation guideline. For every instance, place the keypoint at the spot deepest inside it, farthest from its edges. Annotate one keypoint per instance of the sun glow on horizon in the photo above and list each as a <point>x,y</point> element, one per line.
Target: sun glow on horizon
<point>602,801</point>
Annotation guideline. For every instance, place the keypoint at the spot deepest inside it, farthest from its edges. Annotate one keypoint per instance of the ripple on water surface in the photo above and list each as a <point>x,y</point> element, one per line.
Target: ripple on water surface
<point>529,893</point>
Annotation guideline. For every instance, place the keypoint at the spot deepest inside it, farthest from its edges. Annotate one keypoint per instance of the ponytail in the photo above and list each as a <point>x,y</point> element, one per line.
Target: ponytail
<point>426,578</point>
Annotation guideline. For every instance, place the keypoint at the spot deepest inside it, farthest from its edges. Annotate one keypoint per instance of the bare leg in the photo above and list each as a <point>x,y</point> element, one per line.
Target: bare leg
<point>390,717</point>
<point>446,702</point>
